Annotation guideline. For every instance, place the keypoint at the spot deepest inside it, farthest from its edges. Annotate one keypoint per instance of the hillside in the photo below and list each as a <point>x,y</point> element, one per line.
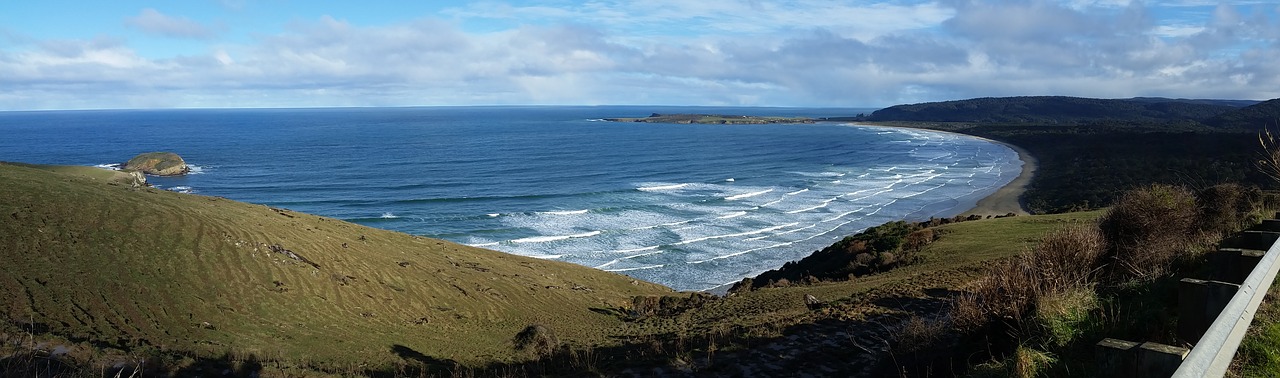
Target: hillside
<point>138,269</point>
<point>121,274</point>
<point>1052,110</point>
<point>1253,117</point>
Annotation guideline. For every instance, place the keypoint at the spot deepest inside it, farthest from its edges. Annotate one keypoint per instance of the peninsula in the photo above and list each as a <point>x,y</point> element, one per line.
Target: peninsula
<point>713,119</point>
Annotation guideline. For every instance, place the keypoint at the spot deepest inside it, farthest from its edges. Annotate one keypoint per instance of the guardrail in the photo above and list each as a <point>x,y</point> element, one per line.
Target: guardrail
<point>1212,354</point>
<point>1215,312</point>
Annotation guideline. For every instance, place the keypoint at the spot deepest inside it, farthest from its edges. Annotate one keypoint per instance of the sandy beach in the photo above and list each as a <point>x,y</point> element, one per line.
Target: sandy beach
<point>1008,198</point>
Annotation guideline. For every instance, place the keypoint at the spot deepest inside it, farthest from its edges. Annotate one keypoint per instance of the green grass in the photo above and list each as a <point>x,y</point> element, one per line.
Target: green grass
<point>129,269</point>
<point>93,173</point>
<point>125,272</point>
<point>962,254</point>
<point>1259,353</point>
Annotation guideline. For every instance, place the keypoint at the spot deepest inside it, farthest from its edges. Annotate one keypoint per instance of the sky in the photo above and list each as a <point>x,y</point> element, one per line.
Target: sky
<point>58,54</point>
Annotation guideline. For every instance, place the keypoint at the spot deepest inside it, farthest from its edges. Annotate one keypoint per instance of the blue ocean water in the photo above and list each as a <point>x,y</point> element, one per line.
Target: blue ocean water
<point>689,206</point>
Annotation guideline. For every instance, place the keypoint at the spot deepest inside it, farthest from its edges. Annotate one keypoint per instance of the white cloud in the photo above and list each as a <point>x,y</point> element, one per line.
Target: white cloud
<point>154,22</point>
<point>1177,31</point>
<point>739,53</point>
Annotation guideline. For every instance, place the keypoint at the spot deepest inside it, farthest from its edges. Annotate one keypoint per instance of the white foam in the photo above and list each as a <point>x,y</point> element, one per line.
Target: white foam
<point>620,259</point>
<point>636,250</point>
<point>493,215</point>
<point>729,179</point>
<point>388,215</point>
<point>742,252</point>
<point>566,212</point>
<point>194,169</point>
<point>754,232</point>
<point>181,189</point>
<point>546,257</point>
<point>747,195</point>
<point>111,166</point>
<point>544,239</point>
<point>639,268</point>
<point>732,215</point>
<point>661,187</point>
<point>774,202</point>
<point>798,192</point>
<point>482,245</point>
<point>825,203</point>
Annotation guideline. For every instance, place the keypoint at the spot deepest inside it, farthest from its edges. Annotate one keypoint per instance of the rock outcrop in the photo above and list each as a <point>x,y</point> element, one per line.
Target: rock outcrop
<point>158,163</point>
<point>131,178</point>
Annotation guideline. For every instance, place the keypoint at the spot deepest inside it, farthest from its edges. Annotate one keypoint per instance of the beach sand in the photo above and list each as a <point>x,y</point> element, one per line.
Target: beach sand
<point>1008,198</point>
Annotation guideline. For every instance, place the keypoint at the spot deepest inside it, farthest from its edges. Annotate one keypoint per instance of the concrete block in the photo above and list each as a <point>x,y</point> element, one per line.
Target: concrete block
<point>1116,358</point>
<point>1261,240</point>
<point>1158,360</point>
<point>1272,225</point>
<point>1199,303</point>
<point>1222,264</point>
<point>1248,260</point>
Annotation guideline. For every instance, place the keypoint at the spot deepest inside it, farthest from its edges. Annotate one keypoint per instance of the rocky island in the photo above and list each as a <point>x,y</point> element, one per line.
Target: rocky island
<point>158,163</point>
<point>713,119</point>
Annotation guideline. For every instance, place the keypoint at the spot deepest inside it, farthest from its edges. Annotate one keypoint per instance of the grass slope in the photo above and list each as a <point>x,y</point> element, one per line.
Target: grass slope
<point>125,268</point>
<point>962,254</point>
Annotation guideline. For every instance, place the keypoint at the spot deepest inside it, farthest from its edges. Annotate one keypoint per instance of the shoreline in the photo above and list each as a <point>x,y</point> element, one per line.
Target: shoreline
<point>1007,199</point>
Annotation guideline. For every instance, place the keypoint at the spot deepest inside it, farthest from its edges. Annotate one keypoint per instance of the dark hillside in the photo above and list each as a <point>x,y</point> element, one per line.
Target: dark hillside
<point>1232,103</point>
<point>1050,110</point>
<point>1087,166</point>
<point>1254,117</point>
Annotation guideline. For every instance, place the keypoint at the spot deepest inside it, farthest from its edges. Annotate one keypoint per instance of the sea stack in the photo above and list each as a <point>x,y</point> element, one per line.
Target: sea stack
<point>158,163</point>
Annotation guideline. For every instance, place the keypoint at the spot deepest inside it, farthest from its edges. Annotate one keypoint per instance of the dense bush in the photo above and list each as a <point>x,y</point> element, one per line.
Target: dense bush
<point>1227,208</point>
<point>1147,230</point>
<point>875,249</point>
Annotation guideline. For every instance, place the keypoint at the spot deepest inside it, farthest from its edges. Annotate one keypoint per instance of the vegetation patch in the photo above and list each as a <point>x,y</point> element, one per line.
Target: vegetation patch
<point>1040,313</point>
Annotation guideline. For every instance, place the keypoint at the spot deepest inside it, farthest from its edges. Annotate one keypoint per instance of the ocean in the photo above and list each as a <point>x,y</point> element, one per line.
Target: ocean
<point>689,206</point>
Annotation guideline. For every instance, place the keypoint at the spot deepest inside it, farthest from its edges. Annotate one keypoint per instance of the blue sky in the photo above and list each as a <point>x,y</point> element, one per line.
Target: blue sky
<point>58,54</point>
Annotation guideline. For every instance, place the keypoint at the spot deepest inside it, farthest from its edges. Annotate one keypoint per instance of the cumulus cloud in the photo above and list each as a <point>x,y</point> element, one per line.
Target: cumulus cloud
<point>154,22</point>
<point>715,53</point>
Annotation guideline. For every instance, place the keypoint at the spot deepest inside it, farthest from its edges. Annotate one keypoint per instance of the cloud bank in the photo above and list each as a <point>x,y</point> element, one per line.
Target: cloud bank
<point>777,53</point>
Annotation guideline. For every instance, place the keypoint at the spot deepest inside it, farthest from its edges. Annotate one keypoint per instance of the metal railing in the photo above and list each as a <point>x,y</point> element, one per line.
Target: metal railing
<point>1214,351</point>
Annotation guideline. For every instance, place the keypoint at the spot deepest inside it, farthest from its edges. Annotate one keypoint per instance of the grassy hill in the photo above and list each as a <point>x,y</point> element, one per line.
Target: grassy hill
<point>91,261</point>
<point>120,274</point>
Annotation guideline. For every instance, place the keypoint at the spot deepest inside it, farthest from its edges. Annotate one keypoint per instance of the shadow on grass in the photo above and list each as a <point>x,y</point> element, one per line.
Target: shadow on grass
<point>828,346</point>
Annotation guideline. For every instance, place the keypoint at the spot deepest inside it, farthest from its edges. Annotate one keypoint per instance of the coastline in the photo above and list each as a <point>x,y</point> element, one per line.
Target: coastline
<point>1007,199</point>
